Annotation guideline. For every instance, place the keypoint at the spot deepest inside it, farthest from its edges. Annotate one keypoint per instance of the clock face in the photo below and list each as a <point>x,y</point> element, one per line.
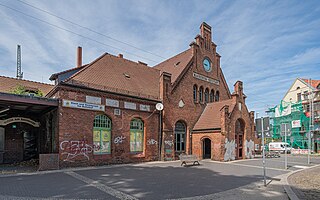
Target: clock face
<point>207,65</point>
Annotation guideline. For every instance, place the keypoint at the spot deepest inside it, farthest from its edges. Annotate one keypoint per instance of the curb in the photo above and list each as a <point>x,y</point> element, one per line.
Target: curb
<point>287,187</point>
<point>74,169</point>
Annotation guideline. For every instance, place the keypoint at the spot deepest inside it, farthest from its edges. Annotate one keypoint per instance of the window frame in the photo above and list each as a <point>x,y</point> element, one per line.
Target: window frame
<point>195,93</point>
<point>201,94</point>
<point>135,131</point>
<point>180,137</point>
<point>206,95</point>
<point>102,125</point>
<point>211,96</point>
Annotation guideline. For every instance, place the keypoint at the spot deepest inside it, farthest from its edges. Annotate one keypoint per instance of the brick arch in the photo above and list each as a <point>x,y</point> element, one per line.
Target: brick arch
<point>206,147</point>
<point>180,142</point>
<point>240,137</point>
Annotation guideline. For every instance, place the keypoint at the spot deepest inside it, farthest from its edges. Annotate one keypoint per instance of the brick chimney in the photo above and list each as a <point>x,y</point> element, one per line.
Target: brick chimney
<point>79,57</point>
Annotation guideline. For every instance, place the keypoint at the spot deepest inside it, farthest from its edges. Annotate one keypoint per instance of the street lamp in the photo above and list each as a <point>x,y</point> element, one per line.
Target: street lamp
<point>263,153</point>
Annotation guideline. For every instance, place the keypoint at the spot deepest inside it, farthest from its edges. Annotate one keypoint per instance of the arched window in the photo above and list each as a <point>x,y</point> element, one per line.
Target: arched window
<point>136,135</point>
<point>201,94</point>
<point>206,95</point>
<point>212,96</point>
<point>101,134</point>
<point>217,96</point>
<point>195,91</point>
<point>180,136</point>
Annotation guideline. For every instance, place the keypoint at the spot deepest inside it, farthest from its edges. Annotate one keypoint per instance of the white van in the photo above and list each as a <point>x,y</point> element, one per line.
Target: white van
<point>279,146</point>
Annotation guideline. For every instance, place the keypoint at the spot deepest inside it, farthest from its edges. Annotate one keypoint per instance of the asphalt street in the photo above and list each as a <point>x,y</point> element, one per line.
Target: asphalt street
<point>155,180</point>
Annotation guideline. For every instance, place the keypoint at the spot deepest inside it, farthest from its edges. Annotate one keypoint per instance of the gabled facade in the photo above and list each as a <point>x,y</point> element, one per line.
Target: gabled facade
<point>200,115</point>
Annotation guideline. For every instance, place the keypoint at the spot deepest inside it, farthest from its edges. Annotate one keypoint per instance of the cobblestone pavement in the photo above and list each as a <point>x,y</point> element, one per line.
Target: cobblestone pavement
<point>306,183</point>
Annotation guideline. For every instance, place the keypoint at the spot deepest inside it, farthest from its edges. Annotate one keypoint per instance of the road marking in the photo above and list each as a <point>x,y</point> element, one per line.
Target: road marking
<point>102,187</point>
<point>253,166</point>
<point>300,166</point>
<point>284,161</point>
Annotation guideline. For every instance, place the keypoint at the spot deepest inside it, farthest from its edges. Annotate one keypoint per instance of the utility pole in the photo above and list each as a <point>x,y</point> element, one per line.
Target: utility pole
<point>19,73</point>
<point>311,120</point>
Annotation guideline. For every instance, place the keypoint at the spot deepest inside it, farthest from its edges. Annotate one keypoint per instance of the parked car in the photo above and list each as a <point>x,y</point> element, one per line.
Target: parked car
<point>280,147</point>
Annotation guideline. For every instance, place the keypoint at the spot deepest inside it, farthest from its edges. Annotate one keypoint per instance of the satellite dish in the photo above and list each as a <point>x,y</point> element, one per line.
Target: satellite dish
<point>159,106</point>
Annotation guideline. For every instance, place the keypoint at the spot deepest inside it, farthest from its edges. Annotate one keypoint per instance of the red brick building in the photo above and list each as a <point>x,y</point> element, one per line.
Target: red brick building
<point>108,114</point>
<point>200,115</point>
<point>105,111</point>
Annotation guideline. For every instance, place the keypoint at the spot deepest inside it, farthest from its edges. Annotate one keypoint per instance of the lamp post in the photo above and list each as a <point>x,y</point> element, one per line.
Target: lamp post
<point>263,153</point>
<point>285,147</point>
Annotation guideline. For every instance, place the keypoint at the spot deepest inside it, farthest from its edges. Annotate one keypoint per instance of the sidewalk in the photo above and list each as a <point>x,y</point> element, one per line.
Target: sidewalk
<point>306,183</point>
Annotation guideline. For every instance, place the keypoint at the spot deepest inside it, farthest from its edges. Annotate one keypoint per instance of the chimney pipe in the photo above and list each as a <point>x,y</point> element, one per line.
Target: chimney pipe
<point>79,57</point>
<point>120,55</point>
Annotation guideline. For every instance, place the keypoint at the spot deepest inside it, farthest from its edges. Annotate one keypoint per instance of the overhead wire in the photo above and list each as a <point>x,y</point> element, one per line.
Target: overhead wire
<point>64,29</point>
<point>89,29</point>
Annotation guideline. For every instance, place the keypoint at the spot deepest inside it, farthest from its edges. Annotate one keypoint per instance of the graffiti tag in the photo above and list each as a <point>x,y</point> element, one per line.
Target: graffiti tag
<point>119,139</point>
<point>152,142</point>
<point>169,143</point>
<point>75,148</point>
<point>230,150</point>
<point>249,149</point>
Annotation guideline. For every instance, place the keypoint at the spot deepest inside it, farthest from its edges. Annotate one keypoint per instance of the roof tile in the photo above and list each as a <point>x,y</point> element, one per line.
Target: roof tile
<point>115,74</point>
<point>7,84</point>
<point>210,117</point>
<point>176,64</point>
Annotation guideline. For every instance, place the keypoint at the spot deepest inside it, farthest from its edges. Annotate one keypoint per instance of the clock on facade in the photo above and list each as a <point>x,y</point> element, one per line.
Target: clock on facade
<point>206,64</point>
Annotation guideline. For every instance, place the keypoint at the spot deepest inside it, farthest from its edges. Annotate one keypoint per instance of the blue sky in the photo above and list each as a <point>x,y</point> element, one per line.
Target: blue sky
<point>265,44</point>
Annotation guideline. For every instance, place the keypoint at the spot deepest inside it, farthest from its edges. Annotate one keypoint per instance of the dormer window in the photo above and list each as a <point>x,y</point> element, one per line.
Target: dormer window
<point>126,75</point>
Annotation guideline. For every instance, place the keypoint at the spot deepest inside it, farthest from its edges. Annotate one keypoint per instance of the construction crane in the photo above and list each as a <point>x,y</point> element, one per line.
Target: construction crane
<point>19,73</point>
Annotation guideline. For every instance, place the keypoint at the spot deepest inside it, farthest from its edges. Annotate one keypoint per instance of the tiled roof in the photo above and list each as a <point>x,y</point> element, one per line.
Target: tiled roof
<point>314,83</point>
<point>7,84</point>
<point>210,117</point>
<point>115,74</point>
<point>176,64</point>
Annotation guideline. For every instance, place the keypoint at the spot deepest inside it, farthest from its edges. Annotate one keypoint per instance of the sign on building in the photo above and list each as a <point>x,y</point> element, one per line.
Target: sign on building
<point>129,105</point>
<point>144,107</point>
<point>204,78</point>
<point>82,105</point>
<point>296,124</point>
<point>91,99</point>
<point>112,103</point>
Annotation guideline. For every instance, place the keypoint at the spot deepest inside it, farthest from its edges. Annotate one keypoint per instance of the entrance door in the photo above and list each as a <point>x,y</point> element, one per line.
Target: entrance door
<point>206,148</point>
<point>29,144</point>
<point>1,144</point>
<point>239,132</point>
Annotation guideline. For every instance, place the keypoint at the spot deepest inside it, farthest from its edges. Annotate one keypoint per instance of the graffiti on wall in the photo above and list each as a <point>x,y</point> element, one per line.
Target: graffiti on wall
<point>249,145</point>
<point>152,142</point>
<point>169,143</point>
<point>119,139</point>
<point>75,148</point>
<point>230,148</point>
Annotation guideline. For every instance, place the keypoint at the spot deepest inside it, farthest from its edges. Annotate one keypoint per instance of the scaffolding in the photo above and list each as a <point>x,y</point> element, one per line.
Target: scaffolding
<point>292,114</point>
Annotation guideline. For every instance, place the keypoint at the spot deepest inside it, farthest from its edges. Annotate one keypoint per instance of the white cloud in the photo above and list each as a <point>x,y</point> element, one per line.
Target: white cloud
<point>266,44</point>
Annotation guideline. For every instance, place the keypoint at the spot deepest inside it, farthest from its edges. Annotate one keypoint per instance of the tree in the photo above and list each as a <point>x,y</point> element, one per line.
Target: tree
<point>21,90</point>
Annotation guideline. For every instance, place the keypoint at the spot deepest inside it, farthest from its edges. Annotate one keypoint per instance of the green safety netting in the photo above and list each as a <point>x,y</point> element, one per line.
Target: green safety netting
<point>287,112</point>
